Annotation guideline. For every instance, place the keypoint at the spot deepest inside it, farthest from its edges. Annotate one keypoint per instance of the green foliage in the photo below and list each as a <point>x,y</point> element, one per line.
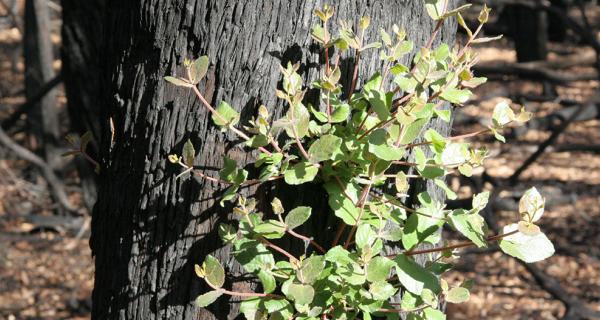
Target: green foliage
<point>352,147</point>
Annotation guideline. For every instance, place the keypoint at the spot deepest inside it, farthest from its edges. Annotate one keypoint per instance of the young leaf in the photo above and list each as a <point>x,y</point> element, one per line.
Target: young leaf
<point>531,205</point>
<point>215,274</point>
<point>297,217</point>
<point>226,115</point>
<point>208,298</point>
<point>502,114</point>
<point>189,153</point>
<point>178,82</point>
<point>401,182</point>
<point>198,69</point>
<point>435,8</point>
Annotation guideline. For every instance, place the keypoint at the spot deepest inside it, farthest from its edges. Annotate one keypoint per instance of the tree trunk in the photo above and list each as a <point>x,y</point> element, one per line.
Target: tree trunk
<point>529,27</point>
<point>39,57</point>
<point>81,44</point>
<point>148,229</point>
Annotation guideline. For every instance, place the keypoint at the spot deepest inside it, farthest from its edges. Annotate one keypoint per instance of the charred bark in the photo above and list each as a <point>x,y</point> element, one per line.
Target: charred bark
<point>82,36</point>
<point>148,229</point>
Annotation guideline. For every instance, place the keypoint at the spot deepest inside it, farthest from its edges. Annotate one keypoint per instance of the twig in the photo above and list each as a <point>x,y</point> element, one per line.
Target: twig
<point>53,181</point>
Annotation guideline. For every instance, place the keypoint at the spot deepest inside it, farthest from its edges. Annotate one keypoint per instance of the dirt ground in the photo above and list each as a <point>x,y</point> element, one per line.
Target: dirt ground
<point>48,274</point>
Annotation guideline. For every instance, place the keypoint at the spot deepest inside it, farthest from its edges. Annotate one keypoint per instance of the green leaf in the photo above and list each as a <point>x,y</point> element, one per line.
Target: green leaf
<point>413,277</point>
<point>271,229</point>
<point>365,236</point>
<point>198,69</point>
<point>253,255</point>
<point>456,96</point>
<point>455,154</point>
<point>339,256</point>
<point>325,148</point>
<point>412,131</point>
<point>423,227</point>
<point>443,114</point>
<point>449,193</point>
<point>340,113</point>
<point>300,293</point>
<point>300,120</point>
<point>458,295</point>
<point>257,141</point>
<point>378,269</point>
<point>225,115</point>
<point>300,173</point>
<point>208,298</point>
<point>342,207</point>
<point>189,153</point>
<point>527,248</point>
<point>267,280</point>
<point>471,225</point>
<point>434,314</point>
<point>378,145</point>
<point>311,269</point>
<point>214,272</point>
<point>382,290</point>
<point>178,82</point>
<point>297,217</point>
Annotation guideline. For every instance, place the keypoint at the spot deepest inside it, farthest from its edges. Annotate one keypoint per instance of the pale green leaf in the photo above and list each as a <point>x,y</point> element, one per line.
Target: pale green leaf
<point>208,298</point>
<point>297,217</point>
<point>301,173</point>
<point>527,248</point>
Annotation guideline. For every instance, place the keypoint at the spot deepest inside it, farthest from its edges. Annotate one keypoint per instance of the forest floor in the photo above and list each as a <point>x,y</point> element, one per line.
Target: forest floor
<point>47,272</point>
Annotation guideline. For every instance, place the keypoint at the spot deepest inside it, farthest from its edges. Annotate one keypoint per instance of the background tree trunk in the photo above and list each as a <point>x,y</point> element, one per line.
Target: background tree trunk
<point>148,230</point>
<point>529,27</point>
<point>81,47</point>
<point>39,58</point>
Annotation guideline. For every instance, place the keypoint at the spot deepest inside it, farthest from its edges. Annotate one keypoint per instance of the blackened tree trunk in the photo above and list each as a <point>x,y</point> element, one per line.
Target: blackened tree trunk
<point>529,27</point>
<point>149,229</point>
<point>81,52</point>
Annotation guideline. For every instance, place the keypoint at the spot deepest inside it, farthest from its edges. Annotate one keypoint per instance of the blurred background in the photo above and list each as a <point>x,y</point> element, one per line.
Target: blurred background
<point>548,62</point>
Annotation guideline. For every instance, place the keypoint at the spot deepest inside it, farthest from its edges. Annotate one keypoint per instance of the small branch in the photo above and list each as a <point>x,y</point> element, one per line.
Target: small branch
<point>452,247</point>
<point>216,114</point>
<point>278,249</point>
<point>307,239</point>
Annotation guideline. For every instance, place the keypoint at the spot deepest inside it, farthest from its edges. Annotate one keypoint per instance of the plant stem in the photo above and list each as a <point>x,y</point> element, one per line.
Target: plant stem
<point>452,247</point>
<point>220,117</point>
<point>307,239</point>
<point>361,202</point>
<point>278,249</point>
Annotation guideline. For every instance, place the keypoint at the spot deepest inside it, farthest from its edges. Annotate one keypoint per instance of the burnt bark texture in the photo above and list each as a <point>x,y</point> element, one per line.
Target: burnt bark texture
<point>80,52</point>
<point>149,229</point>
